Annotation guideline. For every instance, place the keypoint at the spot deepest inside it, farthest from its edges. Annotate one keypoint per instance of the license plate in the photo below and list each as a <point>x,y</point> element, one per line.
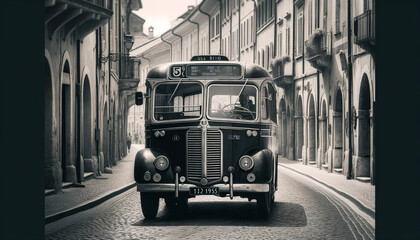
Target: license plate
<point>204,191</point>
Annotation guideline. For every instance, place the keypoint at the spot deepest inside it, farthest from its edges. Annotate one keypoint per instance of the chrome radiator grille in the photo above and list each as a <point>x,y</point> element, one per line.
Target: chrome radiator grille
<point>207,162</point>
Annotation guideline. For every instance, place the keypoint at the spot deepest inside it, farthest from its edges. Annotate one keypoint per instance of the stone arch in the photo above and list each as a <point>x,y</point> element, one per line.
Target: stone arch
<point>364,130</point>
<point>299,128</point>
<point>338,131</point>
<point>324,133</point>
<point>69,171</point>
<point>311,130</point>
<point>282,128</point>
<point>105,135</point>
<point>87,118</point>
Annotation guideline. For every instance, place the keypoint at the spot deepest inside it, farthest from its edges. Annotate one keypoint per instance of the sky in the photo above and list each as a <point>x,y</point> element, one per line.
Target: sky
<point>160,13</point>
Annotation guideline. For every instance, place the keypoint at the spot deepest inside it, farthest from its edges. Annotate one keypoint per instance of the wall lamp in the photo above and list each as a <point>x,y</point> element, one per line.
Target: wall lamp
<point>128,43</point>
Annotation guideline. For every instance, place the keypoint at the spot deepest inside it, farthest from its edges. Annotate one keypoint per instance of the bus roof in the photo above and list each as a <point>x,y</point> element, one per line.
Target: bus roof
<point>251,70</point>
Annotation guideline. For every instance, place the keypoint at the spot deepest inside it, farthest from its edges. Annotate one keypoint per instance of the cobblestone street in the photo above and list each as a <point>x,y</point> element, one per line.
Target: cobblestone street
<point>303,209</point>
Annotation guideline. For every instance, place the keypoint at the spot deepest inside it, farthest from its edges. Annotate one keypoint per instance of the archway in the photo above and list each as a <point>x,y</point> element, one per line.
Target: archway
<point>87,120</point>
<point>282,129</point>
<point>364,132</point>
<point>311,131</point>
<point>66,124</point>
<point>324,132</point>
<point>299,129</point>
<point>338,132</point>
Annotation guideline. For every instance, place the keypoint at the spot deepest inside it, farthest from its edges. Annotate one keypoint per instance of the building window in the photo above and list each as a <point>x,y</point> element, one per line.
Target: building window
<point>316,14</point>
<point>299,32</point>
<point>215,26</point>
<point>337,16</point>
<point>310,19</point>
<point>324,18</point>
<point>280,43</point>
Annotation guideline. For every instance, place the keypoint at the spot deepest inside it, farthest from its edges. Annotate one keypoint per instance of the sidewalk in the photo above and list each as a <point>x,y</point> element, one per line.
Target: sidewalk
<point>362,194</point>
<point>96,190</point>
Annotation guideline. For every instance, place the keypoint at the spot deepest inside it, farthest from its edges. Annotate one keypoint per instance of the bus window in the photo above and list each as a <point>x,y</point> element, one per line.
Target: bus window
<point>226,103</point>
<point>182,102</point>
<point>264,103</point>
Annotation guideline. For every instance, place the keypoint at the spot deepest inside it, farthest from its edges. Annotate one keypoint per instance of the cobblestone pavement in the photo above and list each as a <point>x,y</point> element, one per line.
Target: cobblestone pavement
<point>303,209</point>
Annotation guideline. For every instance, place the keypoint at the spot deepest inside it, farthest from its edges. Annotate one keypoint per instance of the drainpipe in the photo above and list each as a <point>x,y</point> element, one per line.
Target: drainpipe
<point>293,82</point>
<point>208,15</point>
<point>142,55</point>
<point>255,35</point>
<point>170,44</point>
<point>350,89</point>
<point>317,117</point>
<point>198,35</point>
<point>230,34</point>
<point>172,31</point>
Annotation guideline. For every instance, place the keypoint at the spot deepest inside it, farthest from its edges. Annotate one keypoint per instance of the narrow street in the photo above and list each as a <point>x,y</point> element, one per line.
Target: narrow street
<point>303,209</point>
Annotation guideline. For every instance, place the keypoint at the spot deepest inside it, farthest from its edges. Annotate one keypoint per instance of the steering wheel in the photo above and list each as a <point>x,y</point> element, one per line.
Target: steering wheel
<point>232,111</point>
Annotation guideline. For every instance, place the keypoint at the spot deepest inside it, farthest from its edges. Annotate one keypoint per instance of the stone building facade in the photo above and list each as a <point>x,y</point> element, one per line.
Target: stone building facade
<point>89,86</point>
<point>321,56</point>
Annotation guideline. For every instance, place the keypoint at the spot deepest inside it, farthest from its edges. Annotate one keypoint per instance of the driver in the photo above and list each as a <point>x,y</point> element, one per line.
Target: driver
<point>246,103</point>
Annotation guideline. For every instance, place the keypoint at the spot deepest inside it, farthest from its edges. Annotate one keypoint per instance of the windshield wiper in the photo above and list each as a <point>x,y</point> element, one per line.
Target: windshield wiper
<point>241,90</point>
<point>173,93</point>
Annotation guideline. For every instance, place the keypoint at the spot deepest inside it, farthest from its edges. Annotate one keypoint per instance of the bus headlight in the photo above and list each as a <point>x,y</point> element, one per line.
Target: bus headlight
<point>246,163</point>
<point>161,163</point>
<point>249,133</point>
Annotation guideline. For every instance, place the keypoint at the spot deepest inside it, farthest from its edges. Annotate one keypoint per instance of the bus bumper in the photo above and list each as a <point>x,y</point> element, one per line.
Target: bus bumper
<point>223,188</point>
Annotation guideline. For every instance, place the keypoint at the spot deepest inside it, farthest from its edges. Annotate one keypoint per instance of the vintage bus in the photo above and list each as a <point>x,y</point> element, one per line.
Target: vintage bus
<point>211,129</point>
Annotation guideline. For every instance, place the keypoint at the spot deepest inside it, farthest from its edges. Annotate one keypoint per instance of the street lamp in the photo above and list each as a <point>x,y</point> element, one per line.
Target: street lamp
<point>128,42</point>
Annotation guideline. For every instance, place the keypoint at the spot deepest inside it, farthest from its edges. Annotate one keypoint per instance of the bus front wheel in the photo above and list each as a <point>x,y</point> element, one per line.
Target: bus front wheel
<point>264,204</point>
<point>149,205</point>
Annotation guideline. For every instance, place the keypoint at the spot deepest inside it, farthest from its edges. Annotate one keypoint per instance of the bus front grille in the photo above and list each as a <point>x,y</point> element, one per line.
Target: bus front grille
<point>204,164</point>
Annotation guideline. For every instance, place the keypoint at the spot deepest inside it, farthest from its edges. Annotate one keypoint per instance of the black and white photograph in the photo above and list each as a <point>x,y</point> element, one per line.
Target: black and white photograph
<point>209,119</point>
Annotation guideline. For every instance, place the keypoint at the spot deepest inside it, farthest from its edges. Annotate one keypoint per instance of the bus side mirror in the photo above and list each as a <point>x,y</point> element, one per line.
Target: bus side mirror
<point>139,98</point>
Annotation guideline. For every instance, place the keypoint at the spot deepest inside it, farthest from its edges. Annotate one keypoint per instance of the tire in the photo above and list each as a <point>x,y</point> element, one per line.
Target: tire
<point>264,203</point>
<point>149,205</point>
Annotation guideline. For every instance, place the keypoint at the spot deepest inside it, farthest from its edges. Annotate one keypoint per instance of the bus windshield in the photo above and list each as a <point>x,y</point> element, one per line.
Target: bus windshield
<point>224,102</point>
<point>178,101</point>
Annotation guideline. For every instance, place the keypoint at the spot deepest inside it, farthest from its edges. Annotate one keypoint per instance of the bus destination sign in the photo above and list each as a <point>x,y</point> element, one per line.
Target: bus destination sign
<point>214,71</point>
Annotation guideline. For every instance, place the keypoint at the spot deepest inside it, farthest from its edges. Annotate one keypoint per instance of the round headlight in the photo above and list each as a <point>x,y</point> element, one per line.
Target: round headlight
<point>246,163</point>
<point>254,133</point>
<point>162,133</point>
<point>161,163</point>
<point>156,133</point>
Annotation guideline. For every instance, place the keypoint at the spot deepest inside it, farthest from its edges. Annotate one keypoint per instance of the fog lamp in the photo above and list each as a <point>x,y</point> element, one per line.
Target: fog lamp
<point>147,176</point>
<point>157,177</point>
<point>246,163</point>
<point>161,163</point>
<point>182,179</point>
<point>250,177</point>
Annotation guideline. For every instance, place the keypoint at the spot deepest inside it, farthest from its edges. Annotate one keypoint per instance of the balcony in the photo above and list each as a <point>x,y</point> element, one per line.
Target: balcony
<point>282,72</point>
<point>318,49</point>
<point>129,75</point>
<point>364,30</point>
<point>76,16</point>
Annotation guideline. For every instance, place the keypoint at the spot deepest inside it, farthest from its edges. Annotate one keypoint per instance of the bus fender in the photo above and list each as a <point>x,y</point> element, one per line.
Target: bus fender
<point>144,162</point>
